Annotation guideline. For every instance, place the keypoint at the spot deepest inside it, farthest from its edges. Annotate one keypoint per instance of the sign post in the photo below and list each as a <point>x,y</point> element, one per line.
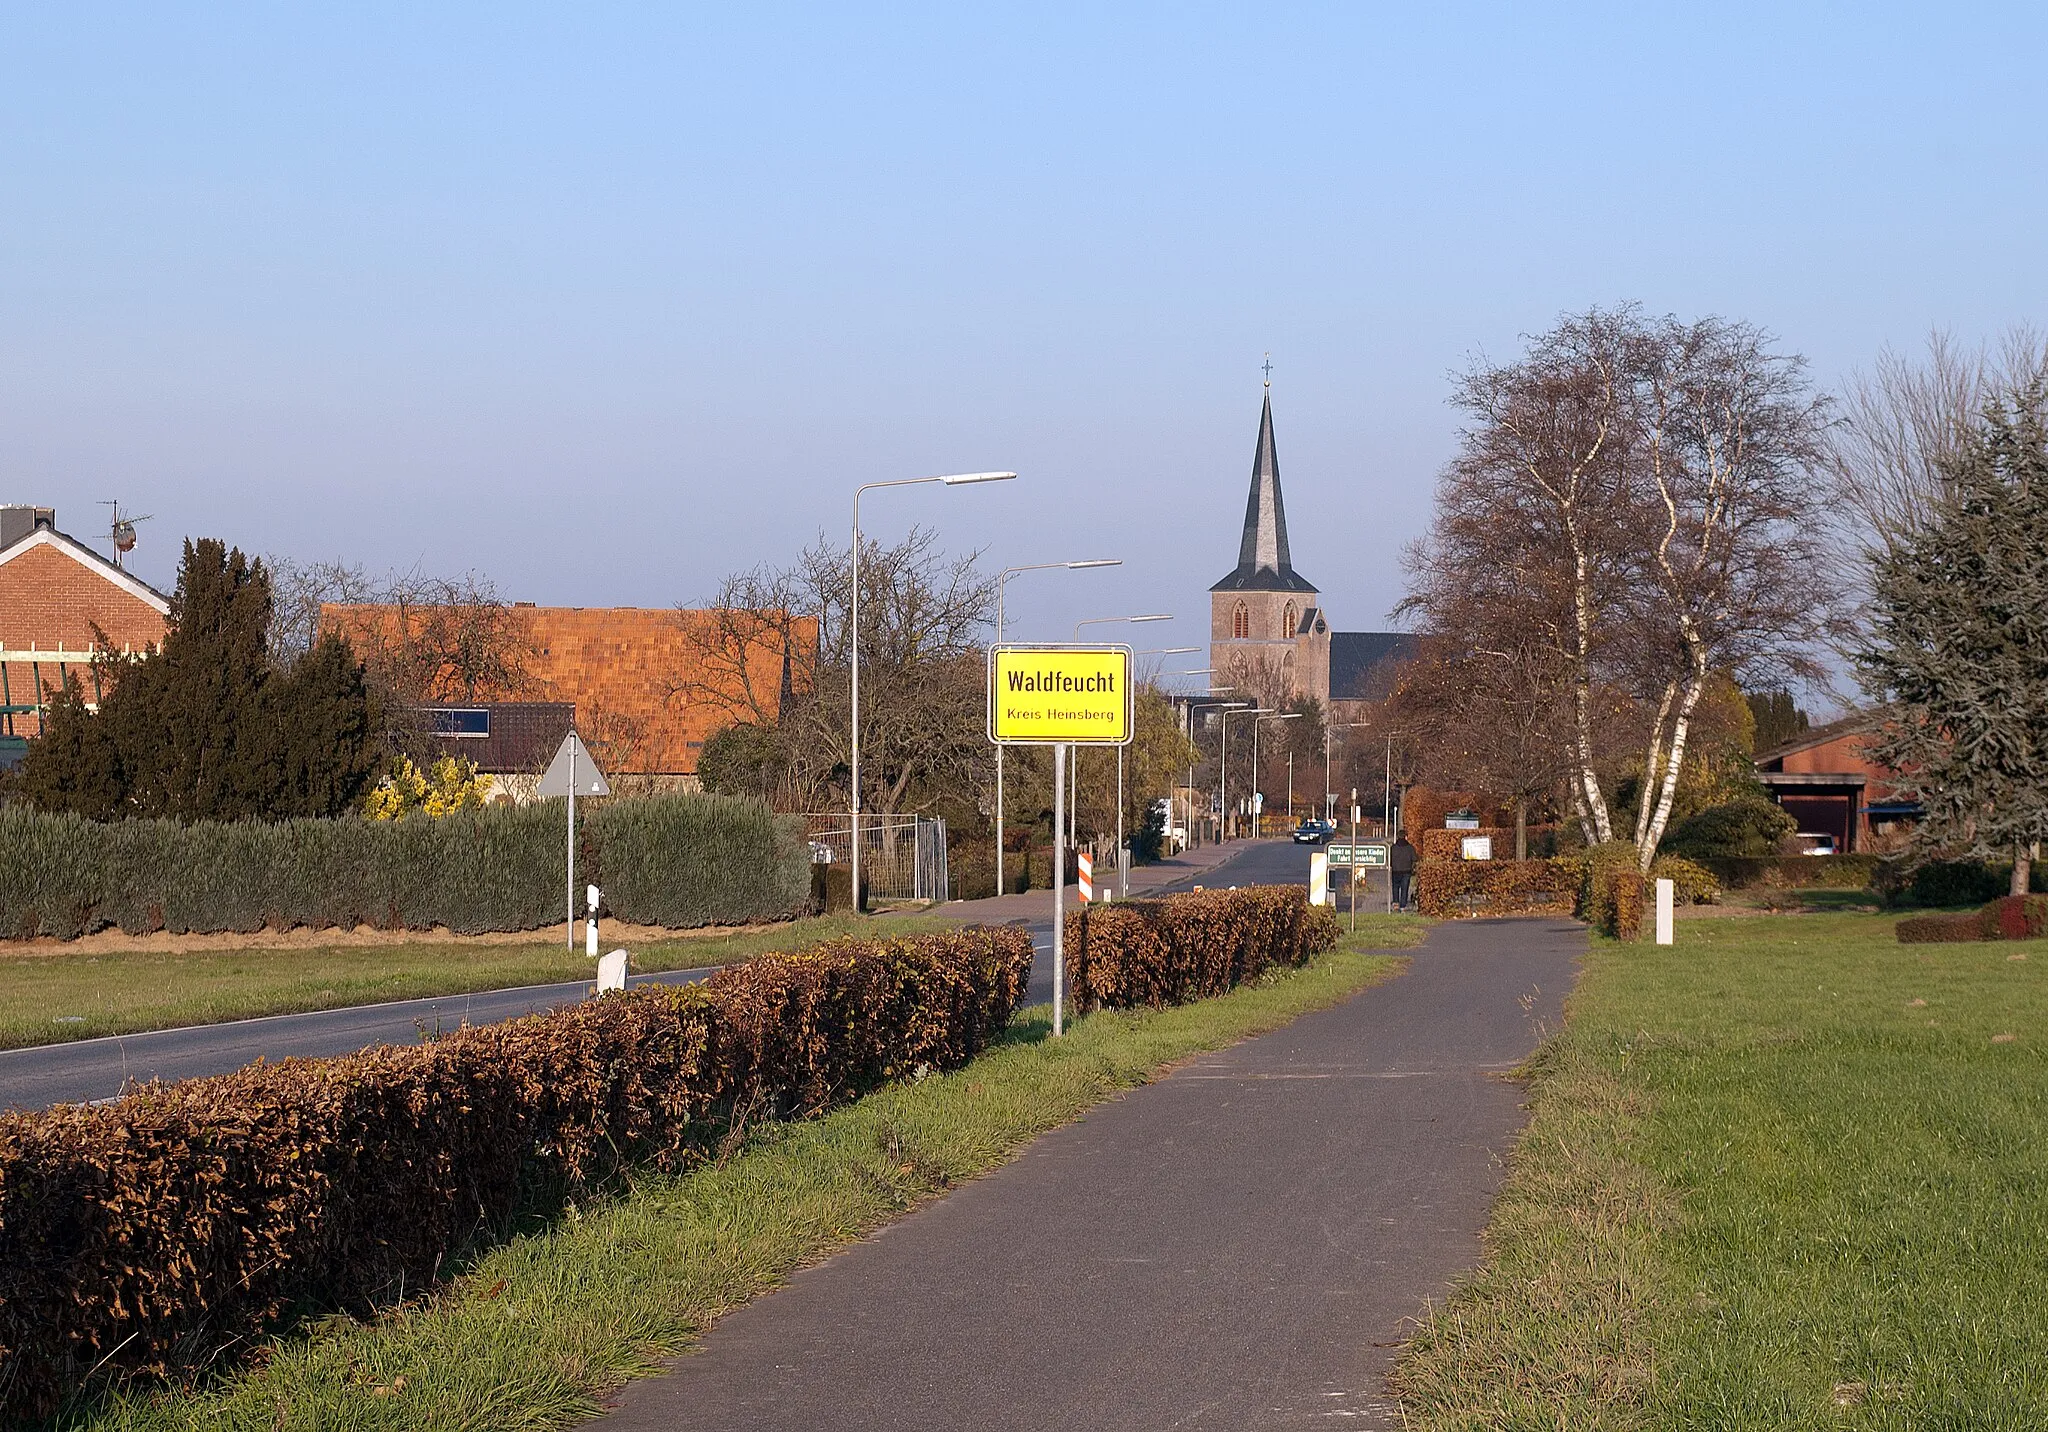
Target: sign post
<point>1062,697</point>
<point>571,773</point>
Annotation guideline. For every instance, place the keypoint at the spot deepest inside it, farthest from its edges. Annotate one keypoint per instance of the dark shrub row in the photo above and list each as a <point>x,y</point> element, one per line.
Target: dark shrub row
<point>1188,947</point>
<point>151,1233</point>
<point>676,861</point>
<point>1794,872</point>
<point>2010,917</point>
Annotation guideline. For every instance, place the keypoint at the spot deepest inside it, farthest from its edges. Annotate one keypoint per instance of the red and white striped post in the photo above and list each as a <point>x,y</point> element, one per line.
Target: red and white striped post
<point>1084,876</point>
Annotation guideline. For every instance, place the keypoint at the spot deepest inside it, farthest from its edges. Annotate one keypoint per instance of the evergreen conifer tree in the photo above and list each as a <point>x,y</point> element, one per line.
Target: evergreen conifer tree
<point>1960,646</point>
<point>205,727</point>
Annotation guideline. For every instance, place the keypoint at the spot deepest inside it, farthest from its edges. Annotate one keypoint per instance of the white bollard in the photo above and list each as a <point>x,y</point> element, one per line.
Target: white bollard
<point>611,972</point>
<point>1664,898</point>
<point>1319,877</point>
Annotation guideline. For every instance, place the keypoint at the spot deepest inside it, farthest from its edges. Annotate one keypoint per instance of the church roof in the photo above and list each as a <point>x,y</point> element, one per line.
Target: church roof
<point>1262,561</point>
<point>1363,663</point>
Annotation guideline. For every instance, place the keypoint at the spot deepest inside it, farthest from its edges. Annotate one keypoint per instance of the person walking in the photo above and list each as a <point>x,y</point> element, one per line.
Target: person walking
<point>1401,865</point>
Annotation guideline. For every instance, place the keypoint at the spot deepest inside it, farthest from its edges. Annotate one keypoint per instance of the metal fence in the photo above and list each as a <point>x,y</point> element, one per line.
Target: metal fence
<point>902,857</point>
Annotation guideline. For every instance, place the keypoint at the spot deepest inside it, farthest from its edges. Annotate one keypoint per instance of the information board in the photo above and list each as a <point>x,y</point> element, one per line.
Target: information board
<point>1059,695</point>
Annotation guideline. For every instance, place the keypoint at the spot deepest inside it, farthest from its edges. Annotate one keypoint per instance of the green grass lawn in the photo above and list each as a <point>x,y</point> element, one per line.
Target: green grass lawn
<point>534,1335</point>
<point>46,999</point>
<point>1787,1174</point>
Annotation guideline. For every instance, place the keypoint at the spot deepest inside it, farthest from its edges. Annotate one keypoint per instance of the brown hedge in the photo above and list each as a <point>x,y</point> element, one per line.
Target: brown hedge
<point>1447,889</point>
<point>152,1233</point>
<point>1189,947</point>
<point>2010,917</point>
<point>1450,844</point>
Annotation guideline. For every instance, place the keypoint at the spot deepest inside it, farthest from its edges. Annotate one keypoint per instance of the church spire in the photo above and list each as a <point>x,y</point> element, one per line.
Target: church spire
<point>1263,564</point>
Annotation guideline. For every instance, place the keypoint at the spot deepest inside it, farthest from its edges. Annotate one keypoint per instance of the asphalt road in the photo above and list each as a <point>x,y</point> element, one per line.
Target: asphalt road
<point>91,1069</point>
<point>1235,1246</point>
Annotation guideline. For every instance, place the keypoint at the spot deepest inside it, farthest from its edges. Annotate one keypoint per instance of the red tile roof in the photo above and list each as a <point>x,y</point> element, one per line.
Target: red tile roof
<point>622,667</point>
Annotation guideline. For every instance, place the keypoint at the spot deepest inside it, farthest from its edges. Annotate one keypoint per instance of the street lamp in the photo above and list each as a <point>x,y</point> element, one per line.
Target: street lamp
<point>1262,720</point>
<point>1074,766</point>
<point>1187,711</point>
<point>956,479</point>
<point>1002,580</point>
<point>1330,796</point>
<point>1223,762</point>
<point>1123,864</point>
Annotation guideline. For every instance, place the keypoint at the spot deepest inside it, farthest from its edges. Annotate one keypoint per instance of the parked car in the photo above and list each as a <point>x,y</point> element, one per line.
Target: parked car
<point>1311,831</point>
<point>1813,843</point>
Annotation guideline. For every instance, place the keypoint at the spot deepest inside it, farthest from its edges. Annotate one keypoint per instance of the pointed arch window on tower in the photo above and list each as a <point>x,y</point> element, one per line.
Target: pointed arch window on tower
<point>1241,622</point>
<point>1290,621</point>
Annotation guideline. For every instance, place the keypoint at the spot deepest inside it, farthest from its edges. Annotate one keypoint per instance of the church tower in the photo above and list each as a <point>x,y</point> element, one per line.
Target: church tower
<point>1264,608</point>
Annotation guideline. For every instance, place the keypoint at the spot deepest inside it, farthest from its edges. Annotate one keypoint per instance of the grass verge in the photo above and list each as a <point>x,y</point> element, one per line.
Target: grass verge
<point>1788,1174</point>
<point>52,998</point>
<point>541,1328</point>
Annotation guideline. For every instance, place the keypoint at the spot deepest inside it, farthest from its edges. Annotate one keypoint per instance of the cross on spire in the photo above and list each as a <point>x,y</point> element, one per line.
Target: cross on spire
<point>1269,370</point>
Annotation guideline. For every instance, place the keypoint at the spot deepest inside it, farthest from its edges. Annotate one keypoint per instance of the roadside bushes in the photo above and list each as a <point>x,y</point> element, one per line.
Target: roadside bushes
<point>1189,947</point>
<point>1795,872</point>
<point>153,1233</point>
<point>1447,889</point>
<point>676,861</point>
<point>1450,844</point>
<point>2010,917</point>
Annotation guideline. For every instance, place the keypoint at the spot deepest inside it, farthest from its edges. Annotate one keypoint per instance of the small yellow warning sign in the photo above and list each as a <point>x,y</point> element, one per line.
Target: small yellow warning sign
<point>1052,695</point>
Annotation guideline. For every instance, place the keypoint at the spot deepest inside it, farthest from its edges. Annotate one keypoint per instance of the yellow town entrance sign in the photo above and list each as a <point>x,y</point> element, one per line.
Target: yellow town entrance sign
<point>1059,695</point>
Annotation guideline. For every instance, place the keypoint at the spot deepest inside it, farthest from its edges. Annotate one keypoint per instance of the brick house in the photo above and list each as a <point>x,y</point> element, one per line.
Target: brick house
<point>1827,781</point>
<point>618,670</point>
<point>54,591</point>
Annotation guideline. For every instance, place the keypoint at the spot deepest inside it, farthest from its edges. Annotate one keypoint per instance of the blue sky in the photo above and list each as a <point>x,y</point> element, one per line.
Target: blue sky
<point>605,301</point>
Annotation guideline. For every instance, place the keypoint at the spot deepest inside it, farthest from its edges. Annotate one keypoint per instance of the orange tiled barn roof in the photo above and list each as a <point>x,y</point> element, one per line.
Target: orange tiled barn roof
<point>619,665</point>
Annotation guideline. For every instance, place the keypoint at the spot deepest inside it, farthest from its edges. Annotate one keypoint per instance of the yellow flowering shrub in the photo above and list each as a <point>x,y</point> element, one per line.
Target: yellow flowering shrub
<point>447,786</point>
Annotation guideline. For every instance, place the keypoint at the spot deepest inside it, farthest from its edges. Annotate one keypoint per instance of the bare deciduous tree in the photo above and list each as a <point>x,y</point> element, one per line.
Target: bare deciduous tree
<point>1730,449</point>
<point>925,617</point>
<point>1526,517</point>
<point>1634,508</point>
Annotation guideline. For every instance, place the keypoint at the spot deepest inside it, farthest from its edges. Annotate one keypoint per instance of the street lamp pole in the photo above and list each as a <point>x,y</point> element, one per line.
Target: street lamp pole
<point>1263,718</point>
<point>1002,580</point>
<point>1223,759</point>
<point>957,479</point>
<point>1188,734</point>
<point>1123,863</point>
<point>1074,765</point>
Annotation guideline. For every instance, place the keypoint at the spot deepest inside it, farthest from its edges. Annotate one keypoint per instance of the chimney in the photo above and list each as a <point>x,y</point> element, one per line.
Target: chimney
<point>17,522</point>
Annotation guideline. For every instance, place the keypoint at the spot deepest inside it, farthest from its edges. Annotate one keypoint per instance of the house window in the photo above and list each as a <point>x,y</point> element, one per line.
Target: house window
<point>1291,623</point>
<point>1241,623</point>
<point>468,723</point>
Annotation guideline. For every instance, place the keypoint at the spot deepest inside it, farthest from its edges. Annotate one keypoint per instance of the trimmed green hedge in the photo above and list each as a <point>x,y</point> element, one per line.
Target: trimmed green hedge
<point>676,861</point>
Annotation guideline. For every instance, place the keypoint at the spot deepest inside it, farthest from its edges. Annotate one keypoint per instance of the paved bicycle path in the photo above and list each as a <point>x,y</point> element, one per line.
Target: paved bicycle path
<point>1235,1246</point>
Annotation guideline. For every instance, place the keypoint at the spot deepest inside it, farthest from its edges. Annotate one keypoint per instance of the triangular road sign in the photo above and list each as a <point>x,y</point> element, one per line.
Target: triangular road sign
<point>590,780</point>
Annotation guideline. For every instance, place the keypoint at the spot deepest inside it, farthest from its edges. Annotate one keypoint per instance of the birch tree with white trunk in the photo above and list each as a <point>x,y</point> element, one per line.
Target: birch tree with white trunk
<point>1729,450</point>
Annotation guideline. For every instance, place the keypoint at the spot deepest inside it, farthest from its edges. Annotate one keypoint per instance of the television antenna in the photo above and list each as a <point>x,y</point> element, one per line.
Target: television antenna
<point>121,529</point>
